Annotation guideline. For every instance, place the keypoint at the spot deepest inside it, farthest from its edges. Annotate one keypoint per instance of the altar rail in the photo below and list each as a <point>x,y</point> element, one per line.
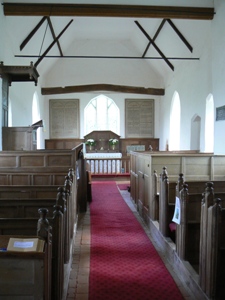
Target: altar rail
<point>109,165</point>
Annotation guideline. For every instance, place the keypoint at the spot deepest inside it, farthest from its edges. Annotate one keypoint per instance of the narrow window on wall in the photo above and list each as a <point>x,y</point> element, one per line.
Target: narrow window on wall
<point>10,122</point>
<point>4,84</point>
<point>174,140</point>
<point>195,133</point>
<point>36,116</point>
<point>209,124</point>
<point>102,113</point>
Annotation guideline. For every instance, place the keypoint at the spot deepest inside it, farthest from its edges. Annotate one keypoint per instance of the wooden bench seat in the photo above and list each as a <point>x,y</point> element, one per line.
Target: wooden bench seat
<point>25,208</point>
<point>27,191</point>
<point>31,178</point>
<point>31,227</point>
<point>212,244</point>
<point>25,273</point>
<point>188,231</point>
<point>26,194</point>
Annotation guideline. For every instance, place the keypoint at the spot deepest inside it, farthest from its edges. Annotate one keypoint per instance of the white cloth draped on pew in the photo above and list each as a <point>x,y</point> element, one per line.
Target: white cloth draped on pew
<point>106,163</point>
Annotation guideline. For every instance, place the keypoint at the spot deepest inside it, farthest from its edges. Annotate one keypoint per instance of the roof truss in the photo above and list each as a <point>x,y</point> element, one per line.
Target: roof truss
<point>101,10</point>
<point>102,87</point>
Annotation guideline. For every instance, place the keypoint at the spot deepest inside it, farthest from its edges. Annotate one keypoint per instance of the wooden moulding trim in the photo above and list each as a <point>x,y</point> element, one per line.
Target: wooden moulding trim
<point>101,10</point>
<point>102,87</point>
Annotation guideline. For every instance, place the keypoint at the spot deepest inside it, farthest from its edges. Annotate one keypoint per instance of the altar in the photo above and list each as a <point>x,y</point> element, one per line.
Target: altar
<point>104,163</point>
<point>102,141</point>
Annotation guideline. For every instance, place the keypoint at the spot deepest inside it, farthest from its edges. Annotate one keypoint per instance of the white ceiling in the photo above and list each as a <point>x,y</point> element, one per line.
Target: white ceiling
<point>115,30</point>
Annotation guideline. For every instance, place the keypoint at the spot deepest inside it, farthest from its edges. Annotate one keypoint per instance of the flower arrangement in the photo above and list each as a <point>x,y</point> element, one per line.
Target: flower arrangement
<point>113,142</point>
<point>90,142</point>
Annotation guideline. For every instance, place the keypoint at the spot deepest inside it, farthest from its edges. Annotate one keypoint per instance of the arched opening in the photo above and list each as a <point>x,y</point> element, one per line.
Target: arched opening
<point>101,113</point>
<point>195,132</point>
<point>174,141</point>
<point>209,124</point>
<point>36,118</point>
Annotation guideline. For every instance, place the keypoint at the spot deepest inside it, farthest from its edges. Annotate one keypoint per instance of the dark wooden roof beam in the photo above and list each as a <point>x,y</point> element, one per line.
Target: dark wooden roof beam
<point>52,44</point>
<point>102,10</point>
<point>180,35</point>
<point>154,45</point>
<point>32,33</point>
<point>102,87</point>
<point>54,36</point>
<point>155,36</point>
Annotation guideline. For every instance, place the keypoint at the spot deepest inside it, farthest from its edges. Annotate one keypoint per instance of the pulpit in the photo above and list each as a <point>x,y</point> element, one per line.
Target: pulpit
<point>20,138</point>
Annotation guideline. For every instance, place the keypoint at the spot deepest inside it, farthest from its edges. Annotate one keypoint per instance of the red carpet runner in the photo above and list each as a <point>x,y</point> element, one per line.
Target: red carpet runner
<point>124,264</point>
<point>123,186</point>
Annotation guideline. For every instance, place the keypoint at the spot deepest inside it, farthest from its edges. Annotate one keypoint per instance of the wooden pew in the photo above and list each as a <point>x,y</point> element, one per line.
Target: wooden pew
<point>210,168</point>
<point>35,281</point>
<point>154,200</point>
<point>45,167</point>
<point>24,208</point>
<point>20,192</point>
<point>167,196</point>
<point>188,231</point>
<point>212,245</point>
<point>28,192</point>
<point>29,227</point>
<point>37,194</point>
<point>169,191</point>
<point>73,200</point>
<point>63,201</point>
<point>32,178</point>
<point>28,162</point>
<point>200,236</point>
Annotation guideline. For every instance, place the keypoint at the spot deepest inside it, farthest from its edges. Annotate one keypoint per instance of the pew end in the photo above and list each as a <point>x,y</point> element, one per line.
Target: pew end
<point>25,274</point>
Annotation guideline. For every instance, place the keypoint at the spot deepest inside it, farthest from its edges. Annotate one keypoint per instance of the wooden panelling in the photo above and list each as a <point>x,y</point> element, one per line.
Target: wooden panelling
<point>37,161</point>
<point>19,138</point>
<point>124,142</point>
<point>20,179</point>
<point>43,179</point>
<point>32,179</point>
<point>26,277</point>
<point>32,161</point>
<point>25,192</point>
<point>54,160</point>
<point>62,143</point>
<point>9,162</point>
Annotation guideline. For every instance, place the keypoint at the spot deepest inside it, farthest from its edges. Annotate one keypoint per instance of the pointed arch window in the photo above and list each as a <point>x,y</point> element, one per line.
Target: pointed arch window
<point>174,142</point>
<point>209,124</point>
<point>195,132</point>
<point>101,113</point>
<point>36,116</point>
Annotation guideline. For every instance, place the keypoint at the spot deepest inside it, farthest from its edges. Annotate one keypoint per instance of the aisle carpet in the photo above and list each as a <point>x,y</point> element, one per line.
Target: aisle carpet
<point>123,186</point>
<point>124,265</point>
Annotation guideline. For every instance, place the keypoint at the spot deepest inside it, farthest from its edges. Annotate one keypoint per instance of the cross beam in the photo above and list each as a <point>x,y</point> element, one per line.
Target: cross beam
<point>102,10</point>
<point>102,87</point>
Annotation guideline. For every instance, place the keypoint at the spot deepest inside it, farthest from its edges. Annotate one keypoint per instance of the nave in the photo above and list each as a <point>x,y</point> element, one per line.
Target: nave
<point>80,277</point>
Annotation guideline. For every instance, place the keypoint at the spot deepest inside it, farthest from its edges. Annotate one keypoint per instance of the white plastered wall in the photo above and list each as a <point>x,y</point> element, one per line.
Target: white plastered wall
<point>218,72</point>
<point>193,81</point>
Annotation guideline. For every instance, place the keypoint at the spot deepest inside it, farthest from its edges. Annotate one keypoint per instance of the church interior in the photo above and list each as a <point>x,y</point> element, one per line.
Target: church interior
<point>111,144</point>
